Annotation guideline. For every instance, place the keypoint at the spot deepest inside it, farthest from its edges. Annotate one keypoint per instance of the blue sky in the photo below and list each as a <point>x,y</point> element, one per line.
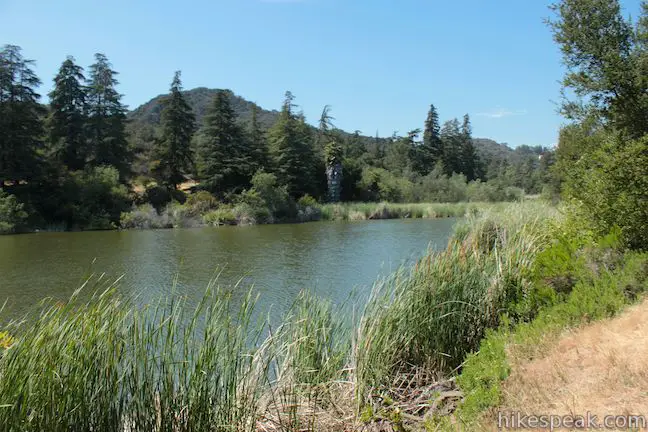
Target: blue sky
<point>378,63</point>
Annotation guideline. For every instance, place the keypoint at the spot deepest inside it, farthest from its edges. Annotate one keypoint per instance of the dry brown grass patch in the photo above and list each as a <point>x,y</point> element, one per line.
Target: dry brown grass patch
<point>599,368</point>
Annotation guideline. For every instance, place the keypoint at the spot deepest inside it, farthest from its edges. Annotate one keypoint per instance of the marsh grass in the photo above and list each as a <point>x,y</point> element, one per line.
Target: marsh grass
<point>105,364</point>
<point>431,316</point>
<point>384,210</point>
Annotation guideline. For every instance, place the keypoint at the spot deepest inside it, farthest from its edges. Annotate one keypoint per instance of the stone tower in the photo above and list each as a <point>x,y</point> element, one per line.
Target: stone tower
<point>334,177</point>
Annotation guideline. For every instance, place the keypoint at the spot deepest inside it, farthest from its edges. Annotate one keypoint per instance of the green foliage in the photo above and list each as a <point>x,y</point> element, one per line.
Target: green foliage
<point>602,297</point>
<point>143,217</point>
<point>290,145</point>
<point>67,121</point>
<point>223,156</point>
<point>168,366</point>
<point>201,202</point>
<point>224,215</point>
<point>610,183</point>
<point>107,118</point>
<point>96,197</point>
<point>157,196</point>
<point>174,156</point>
<point>316,342</point>
<point>378,184</point>
<point>265,201</point>
<point>12,213</point>
<point>434,315</point>
<point>606,63</point>
<point>307,201</point>
<point>431,151</point>
<point>20,117</point>
<point>258,143</point>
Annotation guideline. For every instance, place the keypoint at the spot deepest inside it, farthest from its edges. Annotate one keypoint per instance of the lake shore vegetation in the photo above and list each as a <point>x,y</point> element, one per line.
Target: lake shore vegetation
<point>83,161</point>
<point>437,346</point>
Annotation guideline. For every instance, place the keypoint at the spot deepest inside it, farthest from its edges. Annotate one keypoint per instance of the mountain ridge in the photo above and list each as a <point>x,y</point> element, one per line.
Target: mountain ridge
<point>148,115</point>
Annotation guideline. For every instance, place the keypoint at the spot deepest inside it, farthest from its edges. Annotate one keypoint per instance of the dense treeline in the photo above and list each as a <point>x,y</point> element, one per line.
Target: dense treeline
<point>602,156</point>
<point>77,163</point>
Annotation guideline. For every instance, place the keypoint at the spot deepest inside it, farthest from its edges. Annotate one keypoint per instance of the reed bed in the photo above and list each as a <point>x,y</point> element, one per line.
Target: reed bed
<point>430,316</point>
<point>105,364</point>
<point>384,210</point>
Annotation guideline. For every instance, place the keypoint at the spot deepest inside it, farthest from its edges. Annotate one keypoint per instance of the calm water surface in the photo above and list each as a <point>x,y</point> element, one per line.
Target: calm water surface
<point>331,258</point>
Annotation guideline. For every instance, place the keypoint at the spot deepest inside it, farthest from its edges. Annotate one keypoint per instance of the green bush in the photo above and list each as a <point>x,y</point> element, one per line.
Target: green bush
<point>612,188</point>
<point>12,213</point>
<point>378,184</point>
<point>144,217</point>
<point>97,198</point>
<point>224,215</point>
<point>307,201</point>
<point>201,203</point>
<point>158,197</point>
<point>602,297</point>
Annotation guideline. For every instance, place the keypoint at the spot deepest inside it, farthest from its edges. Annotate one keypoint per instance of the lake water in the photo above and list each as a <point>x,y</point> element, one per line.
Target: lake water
<point>331,258</point>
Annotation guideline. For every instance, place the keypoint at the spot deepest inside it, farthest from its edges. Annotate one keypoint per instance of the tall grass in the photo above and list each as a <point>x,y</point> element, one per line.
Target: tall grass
<point>384,210</point>
<point>429,317</point>
<point>107,365</point>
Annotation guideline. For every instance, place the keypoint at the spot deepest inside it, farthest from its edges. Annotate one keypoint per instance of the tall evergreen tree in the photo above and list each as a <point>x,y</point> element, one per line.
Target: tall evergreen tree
<point>257,143</point>
<point>67,119</point>
<point>291,151</point>
<point>173,150</point>
<point>432,148</point>
<point>354,146</point>
<point>452,146</point>
<point>469,160</point>
<point>223,156</point>
<point>20,117</point>
<point>107,118</point>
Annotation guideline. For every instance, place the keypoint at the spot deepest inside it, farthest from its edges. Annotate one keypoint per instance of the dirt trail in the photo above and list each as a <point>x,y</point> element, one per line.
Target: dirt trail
<point>601,368</point>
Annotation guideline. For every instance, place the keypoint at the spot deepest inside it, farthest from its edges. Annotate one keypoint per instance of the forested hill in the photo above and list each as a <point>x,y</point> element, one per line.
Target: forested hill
<point>200,98</point>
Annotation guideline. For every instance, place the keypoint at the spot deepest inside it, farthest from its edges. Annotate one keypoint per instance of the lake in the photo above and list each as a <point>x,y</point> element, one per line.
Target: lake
<point>331,258</point>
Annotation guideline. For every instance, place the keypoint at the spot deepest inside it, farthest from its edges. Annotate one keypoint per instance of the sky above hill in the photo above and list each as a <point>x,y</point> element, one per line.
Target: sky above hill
<point>378,63</point>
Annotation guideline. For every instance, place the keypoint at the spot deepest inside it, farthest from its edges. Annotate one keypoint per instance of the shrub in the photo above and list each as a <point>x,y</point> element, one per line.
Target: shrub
<point>612,188</point>
<point>378,184</point>
<point>276,198</point>
<point>158,197</point>
<point>307,201</point>
<point>201,202</point>
<point>144,217</point>
<point>97,198</point>
<point>224,215</point>
<point>600,298</point>
<point>12,214</point>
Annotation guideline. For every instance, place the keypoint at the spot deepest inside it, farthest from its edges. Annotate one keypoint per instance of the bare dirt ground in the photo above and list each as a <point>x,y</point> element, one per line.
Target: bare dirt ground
<point>600,368</point>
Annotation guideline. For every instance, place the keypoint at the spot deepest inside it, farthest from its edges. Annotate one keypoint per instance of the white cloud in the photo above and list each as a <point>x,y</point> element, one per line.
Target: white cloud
<point>502,112</point>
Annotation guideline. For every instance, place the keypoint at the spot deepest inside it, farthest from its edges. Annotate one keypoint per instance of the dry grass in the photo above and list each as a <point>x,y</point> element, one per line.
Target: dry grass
<point>600,368</point>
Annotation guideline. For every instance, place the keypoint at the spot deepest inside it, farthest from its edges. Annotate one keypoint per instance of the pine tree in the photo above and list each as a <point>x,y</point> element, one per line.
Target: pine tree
<point>67,120</point>
<point>20,117</point>
<point>223,156</point>
<point>354,147</point>
<point>452,147</point>
<point>173,149</point>
<point>257,143</point>
<point>469,161</point>
<point>432,148</point>
<point>288,140</point>
<point>107,118</point>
